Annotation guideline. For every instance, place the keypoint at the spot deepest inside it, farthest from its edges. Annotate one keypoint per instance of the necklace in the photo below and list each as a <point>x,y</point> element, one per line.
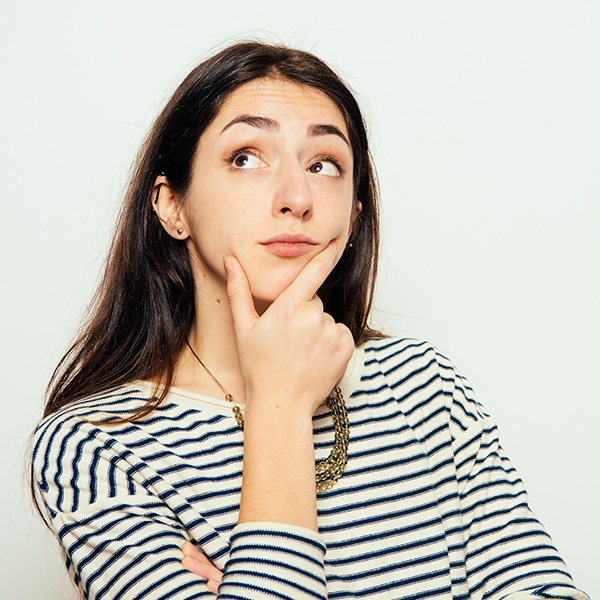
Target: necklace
<point>330,469</point>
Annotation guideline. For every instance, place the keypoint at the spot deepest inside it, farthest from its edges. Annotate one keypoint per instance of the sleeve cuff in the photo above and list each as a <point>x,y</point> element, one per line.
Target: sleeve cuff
<point>274,560</point>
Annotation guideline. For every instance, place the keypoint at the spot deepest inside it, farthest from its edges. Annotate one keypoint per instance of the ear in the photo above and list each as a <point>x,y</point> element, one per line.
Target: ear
<point>167,206</point>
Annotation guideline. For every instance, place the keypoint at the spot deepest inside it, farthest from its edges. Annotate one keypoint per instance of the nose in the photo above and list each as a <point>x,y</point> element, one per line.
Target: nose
<point>293,193</point>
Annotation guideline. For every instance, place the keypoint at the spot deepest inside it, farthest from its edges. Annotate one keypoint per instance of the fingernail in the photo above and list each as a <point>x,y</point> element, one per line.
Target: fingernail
<point>228,264</point>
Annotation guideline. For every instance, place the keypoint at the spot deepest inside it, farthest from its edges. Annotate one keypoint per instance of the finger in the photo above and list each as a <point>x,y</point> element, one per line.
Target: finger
<point>190,551</point>
<point>312,276</point>
<point>239,294</point>
<point>203,569</point>
<point>213,577</point>
<point>317,302</point>
<point>195,561</point>
<point>213,586</point>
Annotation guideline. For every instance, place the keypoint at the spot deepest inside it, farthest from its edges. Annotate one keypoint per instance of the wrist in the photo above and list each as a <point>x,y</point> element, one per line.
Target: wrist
<point>273,425</point>
<point>278,482</point>
<point>282,405</point>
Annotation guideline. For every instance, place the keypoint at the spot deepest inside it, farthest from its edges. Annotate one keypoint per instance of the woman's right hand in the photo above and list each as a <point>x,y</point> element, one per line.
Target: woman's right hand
<point>291,357</point>
<point>294,353</point>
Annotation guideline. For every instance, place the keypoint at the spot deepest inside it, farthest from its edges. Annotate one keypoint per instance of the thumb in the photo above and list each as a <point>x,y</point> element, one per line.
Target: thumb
<point>239,294</point>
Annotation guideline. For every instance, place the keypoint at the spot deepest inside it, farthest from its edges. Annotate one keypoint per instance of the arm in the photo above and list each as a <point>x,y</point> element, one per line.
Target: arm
<point>125,543</point>
<point>508,554</point>
<point>293,338</point>
<point>291,357</point>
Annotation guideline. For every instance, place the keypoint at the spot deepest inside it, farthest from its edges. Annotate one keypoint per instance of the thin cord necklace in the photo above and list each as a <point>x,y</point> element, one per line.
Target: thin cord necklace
<point>330,469</point>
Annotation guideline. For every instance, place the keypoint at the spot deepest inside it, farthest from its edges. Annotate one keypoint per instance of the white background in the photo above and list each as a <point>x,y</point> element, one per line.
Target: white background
<point>485,124</point>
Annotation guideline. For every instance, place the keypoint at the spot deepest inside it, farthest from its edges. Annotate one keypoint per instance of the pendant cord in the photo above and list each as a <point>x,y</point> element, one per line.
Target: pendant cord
<point>206,369</point>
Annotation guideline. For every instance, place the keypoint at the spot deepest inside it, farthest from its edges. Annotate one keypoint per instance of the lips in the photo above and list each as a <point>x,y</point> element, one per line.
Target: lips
<point>289,245</point>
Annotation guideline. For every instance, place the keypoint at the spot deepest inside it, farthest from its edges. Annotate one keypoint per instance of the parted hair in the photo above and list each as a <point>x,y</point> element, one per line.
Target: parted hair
<point>144,309</point>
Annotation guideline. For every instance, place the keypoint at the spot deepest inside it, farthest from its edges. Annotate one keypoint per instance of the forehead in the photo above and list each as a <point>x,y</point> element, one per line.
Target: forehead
<point>282,100</point>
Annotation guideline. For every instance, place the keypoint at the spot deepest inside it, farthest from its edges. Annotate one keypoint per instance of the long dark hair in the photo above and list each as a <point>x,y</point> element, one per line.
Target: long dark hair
<point>144,308</point>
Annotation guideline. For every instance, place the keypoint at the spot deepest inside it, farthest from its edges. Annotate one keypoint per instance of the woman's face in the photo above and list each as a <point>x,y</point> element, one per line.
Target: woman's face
<point>271,185</point>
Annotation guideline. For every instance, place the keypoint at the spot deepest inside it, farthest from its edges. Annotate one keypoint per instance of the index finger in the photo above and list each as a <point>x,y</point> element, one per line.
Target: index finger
<point>312,276</point>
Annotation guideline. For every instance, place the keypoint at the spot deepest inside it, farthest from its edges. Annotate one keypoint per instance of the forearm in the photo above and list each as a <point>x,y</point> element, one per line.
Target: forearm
<point>290,357</point>
<point>278,483</point>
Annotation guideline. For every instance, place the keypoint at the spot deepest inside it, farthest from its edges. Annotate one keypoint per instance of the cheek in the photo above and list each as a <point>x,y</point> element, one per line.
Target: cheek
<point>216,219</point>
<point>343,224</point>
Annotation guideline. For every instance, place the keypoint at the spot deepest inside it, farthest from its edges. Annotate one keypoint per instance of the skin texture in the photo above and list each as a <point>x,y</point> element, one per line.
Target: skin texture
<point>266,218</point>
<point>281,183</point>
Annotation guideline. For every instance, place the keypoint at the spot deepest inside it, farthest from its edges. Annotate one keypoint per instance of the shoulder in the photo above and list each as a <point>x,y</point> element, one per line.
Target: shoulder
<point>402,359</point>
<point>112,405</point>
<point>392,352</point>
<point>73,443</point>
<point>422,380</point>
<point>92,450</point>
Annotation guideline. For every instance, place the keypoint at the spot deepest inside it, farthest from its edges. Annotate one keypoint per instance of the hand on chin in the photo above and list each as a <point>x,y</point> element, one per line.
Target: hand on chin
<point>268,284</point>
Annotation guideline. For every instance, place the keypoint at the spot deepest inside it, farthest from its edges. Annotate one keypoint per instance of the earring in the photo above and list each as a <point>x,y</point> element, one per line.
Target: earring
<point>349,245</point>
<point>179,231</point>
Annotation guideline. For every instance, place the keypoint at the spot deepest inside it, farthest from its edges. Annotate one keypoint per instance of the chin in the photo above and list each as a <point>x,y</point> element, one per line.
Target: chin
<point>270,292</point>
<point>263,301</point>
<point>266,288</point>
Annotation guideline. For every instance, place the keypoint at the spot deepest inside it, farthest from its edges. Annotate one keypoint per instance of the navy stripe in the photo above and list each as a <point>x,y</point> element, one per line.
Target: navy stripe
<point>429,506</point>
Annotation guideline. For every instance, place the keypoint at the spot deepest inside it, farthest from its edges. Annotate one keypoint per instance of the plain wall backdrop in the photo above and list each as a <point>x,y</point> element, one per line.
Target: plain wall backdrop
<point>485,124</point>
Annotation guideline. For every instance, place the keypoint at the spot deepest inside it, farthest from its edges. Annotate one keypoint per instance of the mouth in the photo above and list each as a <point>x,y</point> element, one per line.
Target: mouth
<point>289,245</point>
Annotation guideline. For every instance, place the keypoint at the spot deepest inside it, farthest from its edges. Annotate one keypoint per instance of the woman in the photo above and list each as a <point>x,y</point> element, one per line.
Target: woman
<point>235,300</point>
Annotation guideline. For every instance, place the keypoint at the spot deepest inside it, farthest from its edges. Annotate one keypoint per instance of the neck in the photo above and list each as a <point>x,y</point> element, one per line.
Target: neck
<point>213,340</point>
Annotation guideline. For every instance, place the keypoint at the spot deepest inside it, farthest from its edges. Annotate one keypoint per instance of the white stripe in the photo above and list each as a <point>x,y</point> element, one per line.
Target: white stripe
<point>429,505</point>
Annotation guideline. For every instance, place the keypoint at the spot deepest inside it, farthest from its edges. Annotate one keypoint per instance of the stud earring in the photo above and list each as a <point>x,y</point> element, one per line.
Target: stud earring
<point>179,231</point>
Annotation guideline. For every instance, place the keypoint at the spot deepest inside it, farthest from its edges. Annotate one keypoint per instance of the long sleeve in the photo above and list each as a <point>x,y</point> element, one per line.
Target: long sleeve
<point>432,506</point>
<point>507,549</point>
<point>121,505</point>
<point>429,506</point>
<point>132,551</point>
<point>508,553</point>
<point>272,560</point>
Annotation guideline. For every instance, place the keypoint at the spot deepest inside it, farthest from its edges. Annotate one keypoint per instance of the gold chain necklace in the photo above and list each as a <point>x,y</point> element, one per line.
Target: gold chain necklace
<point>330,469</point>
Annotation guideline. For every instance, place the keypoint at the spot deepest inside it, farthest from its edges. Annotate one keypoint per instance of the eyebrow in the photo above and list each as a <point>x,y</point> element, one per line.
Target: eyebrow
<point>315,130</point>
<point>326,129</point>
<point>258,122</point>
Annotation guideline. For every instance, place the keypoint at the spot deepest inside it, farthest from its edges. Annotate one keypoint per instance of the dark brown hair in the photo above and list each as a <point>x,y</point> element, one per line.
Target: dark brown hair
<point>144,308</point>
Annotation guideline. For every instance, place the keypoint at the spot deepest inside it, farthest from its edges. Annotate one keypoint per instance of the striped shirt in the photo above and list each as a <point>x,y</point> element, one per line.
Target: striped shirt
<point>429,506</point>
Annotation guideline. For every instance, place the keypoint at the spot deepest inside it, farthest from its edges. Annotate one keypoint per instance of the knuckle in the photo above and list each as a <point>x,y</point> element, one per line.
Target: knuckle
<point>328,318</point>
<point>232,291</point>
<point>346,336</point>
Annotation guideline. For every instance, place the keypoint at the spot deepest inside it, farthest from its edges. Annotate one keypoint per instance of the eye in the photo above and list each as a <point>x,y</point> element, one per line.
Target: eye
<point>244,159</point>
<point>326,166</point>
